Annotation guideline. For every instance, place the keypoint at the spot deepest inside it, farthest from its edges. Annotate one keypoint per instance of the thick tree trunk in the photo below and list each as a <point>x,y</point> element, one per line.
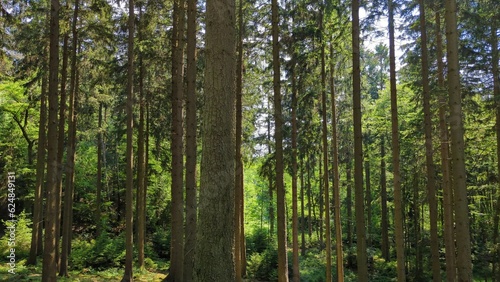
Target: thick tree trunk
<point>191,204</point>
<point>129,196</point>
<point>176,146</point>
<point>214,256</point>
<point>429,150</point>
<point>40,172</point>
<point>358,149</point>
<point>336,178</point>
<point>70,154</point>
<point>398,197</point>
<point>49,268</point>
<point>449,234</point>
<point>464,264</point>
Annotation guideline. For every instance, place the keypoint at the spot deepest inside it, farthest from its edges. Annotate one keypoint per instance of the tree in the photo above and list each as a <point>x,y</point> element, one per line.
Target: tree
<point>464,264</point>
<point>176,145</point>
<point>398,199</point>
<point>214,256</point>
<point>358,149</point>
<point>49,267</point>
<point>431,183</point>
<point>129,197</point>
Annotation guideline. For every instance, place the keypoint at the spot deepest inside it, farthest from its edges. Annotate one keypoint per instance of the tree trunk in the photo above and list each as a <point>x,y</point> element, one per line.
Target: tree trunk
<point>496,94</point>
<point>302,210</point>
<point>214,256</point>
<point>176,146</point>
<point>129,196</point>
<point>398,199</point>
<point>191,205</point>
<point>464,264</point>
<point>429,150</point>
<point>449,237</point>
<point>98,221</point>
<point>40,171</point>
<point>368,202</point>
<point>349,204</point>
<point>325,160</point>
<point>278,136</point>
<point>383,204</point>
<point>358,149</point>
<point>70,154</point>
<point>416,230</point>
<point>336,178</point>
<point>295,223</point>
<point>309,197</point>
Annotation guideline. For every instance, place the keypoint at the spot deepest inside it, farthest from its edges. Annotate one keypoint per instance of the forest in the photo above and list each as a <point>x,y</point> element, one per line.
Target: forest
<point>231,140</point>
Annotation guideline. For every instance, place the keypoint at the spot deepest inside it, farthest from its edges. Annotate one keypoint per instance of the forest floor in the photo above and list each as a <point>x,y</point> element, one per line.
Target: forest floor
<point>34,273</point>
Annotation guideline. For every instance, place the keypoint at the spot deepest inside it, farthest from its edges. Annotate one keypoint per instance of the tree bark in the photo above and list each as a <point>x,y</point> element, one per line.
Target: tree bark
<point>496,94</point>
<point>398,199</point>
<point>358,149</point>
<point>429,150</point>
<point>295,222</point>
<point>464,264</point>
<point>383,204</point>
<point>214,256</point>
<point>449,237</point>
<point>49,267</point>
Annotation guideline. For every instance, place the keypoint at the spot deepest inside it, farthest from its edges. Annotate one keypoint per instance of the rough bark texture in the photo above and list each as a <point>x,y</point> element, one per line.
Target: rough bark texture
<point>214,256</point>
<point>449,237</point>
<point>176,146</point>
<point>358,149</point>
<point>429,150</point>
<point>336,179</point>
<point>40,172</point>
<point>49,267</point>
<point>464,264</point>
<point>129,196</point>
<point>191,204</point>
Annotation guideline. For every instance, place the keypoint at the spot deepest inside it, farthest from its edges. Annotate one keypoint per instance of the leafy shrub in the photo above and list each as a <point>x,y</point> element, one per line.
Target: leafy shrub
<point>258,241</point>
<point>161,243</point>
<point>264,266</point>
<point>22,238</point>
<point>104,252</point>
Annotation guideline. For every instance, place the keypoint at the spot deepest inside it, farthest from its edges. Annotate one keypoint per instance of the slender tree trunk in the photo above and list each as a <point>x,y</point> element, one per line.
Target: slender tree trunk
<point>368,202</point>
<point>349,204</point>
<point>496,93</point>
<point>416,230</point>
<point>49,267</point>
<point>141,157</point>
<point>129,196</point>
<point>336,178</point>
<point>449,237</point>
<point>464,264</point>
<point>383,204</point>
<point>325,160</point>
<point>321,203</point>
<point>398,199</point>
<point>271,208</point>
<point>295,223</point>
<point>98,221</point>
<point>40,171</point>
<point>278,136</point>
<point>429,150</point>
<point>358,149</point>
<point>309,198</point>
<point>214,256</point>
<point>70,154</point>
<point>302,209</point>
<point>191,204</point>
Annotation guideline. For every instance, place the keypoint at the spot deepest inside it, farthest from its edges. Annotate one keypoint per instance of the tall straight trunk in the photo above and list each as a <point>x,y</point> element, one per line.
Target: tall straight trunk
<point>368,202</point>
<point>129,196</point>
<point>302,210</point>
<point>349,204</point>
<point>141,156</point>
<point>271,208</point>
<point>100,146</point>
<point>49,267</point>
<point>398,196</point>
<point>449,237</point>
<point>416,230</point>
<point>40,172</point>
<point>176,206</point>
<point>309,198</point>
<point>278,136</point>
<point>321,203</point>
<point>214,256</point>
<point>191,207</point>
<point>383,198</point>
<point>464,264</point>
<point>71,148</point>
<point>429,150</point>
<point>295,222</point>
<point>358,149</point>
<point>496,94</point>
<point>336,178</point>
<point>326,181</point>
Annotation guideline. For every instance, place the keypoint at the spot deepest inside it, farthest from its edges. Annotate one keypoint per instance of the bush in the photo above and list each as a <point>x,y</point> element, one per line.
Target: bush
<point>22,237</point>
<point>104,252</point>
<point>160,240</point>
<point>264,266</point>
<point>258,241</point>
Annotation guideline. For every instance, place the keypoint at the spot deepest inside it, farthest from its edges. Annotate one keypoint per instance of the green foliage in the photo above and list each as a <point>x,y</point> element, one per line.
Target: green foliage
<point>22,237</point>
<point>104,252</point>
<point>258,241</point>
<point>161,243</point>
<point>264,266</point>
